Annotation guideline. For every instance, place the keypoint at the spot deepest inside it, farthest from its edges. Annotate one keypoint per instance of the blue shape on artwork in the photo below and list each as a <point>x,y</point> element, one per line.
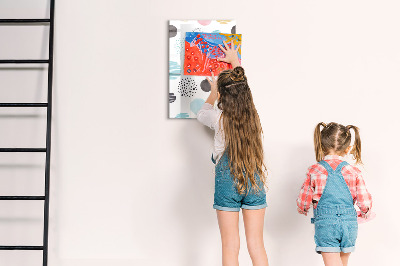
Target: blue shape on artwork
<point>212,40</point>
<point>174,70</point>
<point>174,67</point>
<point>182,115</point>
<point>216,31</point>
<point>196,105</point>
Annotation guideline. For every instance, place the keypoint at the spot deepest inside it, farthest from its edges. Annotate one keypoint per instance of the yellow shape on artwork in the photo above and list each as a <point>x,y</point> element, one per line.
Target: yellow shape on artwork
<point>236,38</point>
<point>223,21</point>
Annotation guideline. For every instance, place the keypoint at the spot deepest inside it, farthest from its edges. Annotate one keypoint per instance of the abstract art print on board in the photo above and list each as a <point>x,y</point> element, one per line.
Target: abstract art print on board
<point>187,93</point>
<point>202,51</point>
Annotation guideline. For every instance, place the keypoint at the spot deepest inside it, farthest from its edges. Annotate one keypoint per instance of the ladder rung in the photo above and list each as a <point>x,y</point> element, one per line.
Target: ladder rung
<point>21,247</point>
<point>24,61</point>
<point>23,104</point>
<point>22,197</point>
<point>34,20</point>
<point>22,149</point>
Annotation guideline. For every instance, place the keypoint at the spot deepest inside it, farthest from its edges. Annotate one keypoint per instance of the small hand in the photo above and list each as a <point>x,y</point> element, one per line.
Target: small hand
<point>214,90</point>
<point>213,83</point>
<point>301,211</point>
<point>231,54</point>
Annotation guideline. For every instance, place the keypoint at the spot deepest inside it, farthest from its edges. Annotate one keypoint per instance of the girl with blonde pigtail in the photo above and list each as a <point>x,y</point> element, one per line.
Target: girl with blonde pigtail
<point>333,186</point>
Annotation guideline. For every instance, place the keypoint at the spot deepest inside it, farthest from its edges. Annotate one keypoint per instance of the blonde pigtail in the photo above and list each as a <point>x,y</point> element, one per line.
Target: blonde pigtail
<point>356,151</point>
<point>319,153</point>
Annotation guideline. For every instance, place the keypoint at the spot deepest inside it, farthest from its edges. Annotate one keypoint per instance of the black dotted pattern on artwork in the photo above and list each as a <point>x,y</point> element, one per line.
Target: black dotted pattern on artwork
<point>187,87</point>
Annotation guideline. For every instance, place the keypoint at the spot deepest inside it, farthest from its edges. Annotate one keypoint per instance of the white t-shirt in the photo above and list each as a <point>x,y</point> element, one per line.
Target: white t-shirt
<point>210,116</point>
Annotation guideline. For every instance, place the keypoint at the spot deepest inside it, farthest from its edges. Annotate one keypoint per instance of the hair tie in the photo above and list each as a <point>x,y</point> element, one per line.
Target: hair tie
<point>234,84</point>
<point>348,130</point>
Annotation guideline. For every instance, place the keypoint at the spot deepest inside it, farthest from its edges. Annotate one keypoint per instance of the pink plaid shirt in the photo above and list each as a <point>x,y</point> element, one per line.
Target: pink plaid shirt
<point>314,185</point>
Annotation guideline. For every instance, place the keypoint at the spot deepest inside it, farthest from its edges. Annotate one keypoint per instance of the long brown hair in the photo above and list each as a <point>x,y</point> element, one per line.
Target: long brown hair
<point>242,129</point>
<point>336,137</point>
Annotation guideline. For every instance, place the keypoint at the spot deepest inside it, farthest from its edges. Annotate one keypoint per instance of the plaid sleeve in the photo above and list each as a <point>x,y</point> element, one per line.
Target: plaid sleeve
<point>364,199</point>
<point>305,197</point>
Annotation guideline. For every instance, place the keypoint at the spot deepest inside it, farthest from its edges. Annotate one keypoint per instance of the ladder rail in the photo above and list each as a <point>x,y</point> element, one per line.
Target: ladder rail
<point>48,136</point>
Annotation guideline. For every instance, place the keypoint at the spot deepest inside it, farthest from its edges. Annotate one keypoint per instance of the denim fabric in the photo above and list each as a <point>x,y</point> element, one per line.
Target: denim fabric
<point>335,218</point>
<point>226,195</point>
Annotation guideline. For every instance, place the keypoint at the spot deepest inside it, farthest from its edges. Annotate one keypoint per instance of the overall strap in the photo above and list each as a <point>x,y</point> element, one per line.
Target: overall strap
<point>336,197</point>
<point>212,159</point>
<point>340,166</point>
<point>223,160</point>
<point>326,166</point>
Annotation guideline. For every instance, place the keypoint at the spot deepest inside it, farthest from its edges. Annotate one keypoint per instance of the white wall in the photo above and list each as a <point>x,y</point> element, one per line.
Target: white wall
<point>131,187</point>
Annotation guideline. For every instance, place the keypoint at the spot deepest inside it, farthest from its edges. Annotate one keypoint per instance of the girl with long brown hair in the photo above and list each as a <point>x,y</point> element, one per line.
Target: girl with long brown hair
<point>333,186</point>
<point>240,172</point>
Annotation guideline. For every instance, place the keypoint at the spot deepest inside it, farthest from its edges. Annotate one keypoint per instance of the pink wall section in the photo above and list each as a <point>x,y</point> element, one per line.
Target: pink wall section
<point>132,187</point>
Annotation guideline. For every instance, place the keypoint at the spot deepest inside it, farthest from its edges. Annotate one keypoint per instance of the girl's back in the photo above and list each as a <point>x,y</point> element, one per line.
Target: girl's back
<point>238,155</point>
<point>332,187</point>
<point>315,182</point>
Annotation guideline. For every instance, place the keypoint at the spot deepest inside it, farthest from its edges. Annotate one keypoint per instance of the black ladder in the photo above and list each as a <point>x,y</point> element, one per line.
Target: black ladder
<point>48,105</point>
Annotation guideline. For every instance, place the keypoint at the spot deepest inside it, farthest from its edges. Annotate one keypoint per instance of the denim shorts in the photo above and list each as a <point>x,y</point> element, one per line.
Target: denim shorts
<point>335,233</point>
<point>226,195</point>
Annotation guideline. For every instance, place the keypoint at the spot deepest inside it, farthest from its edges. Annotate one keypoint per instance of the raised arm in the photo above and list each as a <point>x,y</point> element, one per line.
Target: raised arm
<point>207,114</point>
<point>214,90</point>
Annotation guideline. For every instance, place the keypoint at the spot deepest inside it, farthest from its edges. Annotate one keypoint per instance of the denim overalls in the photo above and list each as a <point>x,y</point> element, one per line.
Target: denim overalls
<point>335,217</point>
<point>226,195</point>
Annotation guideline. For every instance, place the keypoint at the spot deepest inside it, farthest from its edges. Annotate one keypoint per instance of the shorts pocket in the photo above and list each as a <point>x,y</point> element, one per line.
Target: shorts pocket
<point>224,182</point>
<point>225,194</point>
<point>326,232</point>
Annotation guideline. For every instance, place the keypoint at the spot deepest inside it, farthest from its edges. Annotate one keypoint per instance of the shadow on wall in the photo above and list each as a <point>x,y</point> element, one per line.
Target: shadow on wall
<point>193,203</point>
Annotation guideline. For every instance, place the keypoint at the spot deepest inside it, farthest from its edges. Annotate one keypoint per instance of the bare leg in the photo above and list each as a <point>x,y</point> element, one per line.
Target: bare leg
<point>254,227</point>
<point>345,258</point>
<point>229,228</point>
<point>332,259</point>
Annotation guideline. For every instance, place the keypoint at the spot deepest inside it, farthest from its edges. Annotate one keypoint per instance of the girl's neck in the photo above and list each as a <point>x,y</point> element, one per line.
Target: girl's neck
<point>335,153</point>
